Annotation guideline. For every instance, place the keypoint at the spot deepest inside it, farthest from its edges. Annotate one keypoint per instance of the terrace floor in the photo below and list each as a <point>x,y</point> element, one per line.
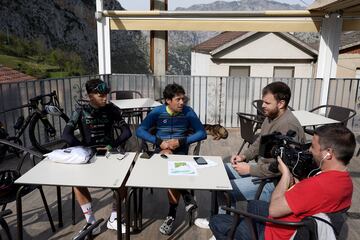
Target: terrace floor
<point>155,209</point>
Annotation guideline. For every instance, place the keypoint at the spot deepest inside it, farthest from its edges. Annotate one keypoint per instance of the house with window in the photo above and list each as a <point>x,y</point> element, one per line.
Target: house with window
<point>253,54</point>
<point>349,56</point>
<point>269,54</point>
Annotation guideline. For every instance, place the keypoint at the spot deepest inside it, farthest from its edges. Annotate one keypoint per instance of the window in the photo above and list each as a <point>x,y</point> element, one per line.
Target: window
<point>284,72</point>
<point>239,71</point>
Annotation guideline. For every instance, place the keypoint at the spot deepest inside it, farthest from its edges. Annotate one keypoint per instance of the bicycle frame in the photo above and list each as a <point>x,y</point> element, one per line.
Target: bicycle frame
<point>35,111</point>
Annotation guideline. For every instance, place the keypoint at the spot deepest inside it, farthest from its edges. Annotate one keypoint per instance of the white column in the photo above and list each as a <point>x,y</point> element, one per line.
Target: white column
<point>103,37</point>
<point>158,43</point>
<point>328,52</point>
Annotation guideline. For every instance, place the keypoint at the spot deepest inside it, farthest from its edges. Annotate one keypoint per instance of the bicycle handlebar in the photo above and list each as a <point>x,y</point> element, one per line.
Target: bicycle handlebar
<point>35,99</point>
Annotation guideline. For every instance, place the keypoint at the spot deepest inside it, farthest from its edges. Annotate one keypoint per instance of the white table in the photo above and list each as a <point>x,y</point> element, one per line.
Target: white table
<point>136,103</point>
<point>312,119</point>
<point>101,172</point>
<point>153,173</point>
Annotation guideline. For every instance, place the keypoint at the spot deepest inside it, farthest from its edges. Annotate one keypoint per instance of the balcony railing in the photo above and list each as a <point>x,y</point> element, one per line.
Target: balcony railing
<point>214,99</point>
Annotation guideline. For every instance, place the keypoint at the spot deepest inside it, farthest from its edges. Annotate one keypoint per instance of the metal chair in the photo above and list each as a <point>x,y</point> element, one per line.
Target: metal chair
<point>341,114</point>
<point>306,228</point>
<point>248,128</point>
<point>125,94</point>
<point>17,192</point>
<point>3,223</point>
<point>129,114</point>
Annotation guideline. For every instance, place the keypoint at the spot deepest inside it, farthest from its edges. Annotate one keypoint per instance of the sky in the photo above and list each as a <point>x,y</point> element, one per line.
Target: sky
<point>145,4</point>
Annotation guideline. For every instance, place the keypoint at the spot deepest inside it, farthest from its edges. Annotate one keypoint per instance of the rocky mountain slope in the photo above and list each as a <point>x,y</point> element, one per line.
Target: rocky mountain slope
<point>70,25</point>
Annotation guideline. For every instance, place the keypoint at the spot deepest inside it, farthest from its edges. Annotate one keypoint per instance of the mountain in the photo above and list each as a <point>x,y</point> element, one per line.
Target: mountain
<point>180,60</point>
<point>241,5</point>
<point>70,25</point>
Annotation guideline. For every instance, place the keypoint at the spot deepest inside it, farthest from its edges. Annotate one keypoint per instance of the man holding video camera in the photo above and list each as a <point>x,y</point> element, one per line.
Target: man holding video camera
<point>328,191</point>
<point>279,118</point>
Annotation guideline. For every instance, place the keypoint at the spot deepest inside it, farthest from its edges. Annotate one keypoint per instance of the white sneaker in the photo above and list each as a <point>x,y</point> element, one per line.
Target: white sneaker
<point>202,223</point>
<point>212,238</point>
<point>113,226</point>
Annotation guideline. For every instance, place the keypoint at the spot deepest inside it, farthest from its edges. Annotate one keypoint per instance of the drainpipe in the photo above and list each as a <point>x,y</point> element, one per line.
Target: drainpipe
<point>328,52</point>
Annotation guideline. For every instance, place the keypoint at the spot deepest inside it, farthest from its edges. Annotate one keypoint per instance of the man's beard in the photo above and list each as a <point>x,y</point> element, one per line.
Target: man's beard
<point>273,114</point>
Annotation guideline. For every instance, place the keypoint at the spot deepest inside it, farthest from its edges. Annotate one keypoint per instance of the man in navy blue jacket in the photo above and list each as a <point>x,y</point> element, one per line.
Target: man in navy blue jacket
<point>173,120</point>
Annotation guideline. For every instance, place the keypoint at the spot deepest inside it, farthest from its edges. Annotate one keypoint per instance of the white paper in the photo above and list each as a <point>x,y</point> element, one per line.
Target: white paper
<point>181,168</point>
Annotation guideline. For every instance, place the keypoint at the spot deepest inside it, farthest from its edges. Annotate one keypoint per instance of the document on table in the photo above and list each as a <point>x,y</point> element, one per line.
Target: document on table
<point>181,168</point>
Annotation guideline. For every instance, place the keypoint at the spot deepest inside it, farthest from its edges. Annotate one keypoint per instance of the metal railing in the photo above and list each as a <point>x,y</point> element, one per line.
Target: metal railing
<point>214,99</point>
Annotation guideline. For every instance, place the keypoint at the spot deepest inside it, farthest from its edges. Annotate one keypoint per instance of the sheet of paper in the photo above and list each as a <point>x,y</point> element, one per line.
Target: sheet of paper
<point>181,168</point>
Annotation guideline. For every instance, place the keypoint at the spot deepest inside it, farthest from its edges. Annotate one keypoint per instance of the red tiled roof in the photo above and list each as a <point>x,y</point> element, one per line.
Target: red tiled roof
<point>8,75</point>
<point>217,41</point>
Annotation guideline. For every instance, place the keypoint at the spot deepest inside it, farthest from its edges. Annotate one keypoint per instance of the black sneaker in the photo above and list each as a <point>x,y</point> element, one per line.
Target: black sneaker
<point>190,207</point>
<point>94,232</point>
<point>190,203</point>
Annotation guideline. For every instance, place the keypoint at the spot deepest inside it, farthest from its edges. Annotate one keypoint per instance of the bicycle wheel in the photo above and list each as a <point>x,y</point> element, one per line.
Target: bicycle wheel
<point>45,131</point>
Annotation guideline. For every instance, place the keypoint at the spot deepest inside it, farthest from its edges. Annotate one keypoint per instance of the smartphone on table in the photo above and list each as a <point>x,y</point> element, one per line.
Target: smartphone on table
<point>101,151</point>
<point>200,160</point>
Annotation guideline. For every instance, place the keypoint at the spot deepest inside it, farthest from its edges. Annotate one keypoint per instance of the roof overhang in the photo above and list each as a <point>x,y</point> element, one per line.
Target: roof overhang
<point>257,21</point>
<point>347,7</point>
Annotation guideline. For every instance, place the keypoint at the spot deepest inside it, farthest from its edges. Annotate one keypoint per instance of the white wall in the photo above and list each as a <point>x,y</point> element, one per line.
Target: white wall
<point>200,64</point>
<point>262,52</point>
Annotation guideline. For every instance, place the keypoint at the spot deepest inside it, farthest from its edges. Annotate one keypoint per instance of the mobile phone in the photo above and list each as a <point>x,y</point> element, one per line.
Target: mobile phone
<point>146,155</point>
<point>101,152</point>
<point>200,160</point>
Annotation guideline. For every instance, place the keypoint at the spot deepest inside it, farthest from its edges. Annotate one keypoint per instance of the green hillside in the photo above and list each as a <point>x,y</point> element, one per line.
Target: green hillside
<point>33,58</point>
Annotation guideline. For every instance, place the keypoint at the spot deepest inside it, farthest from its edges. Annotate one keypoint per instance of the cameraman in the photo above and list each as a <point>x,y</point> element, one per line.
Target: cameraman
<point>279,118</point>
<point>329,191</point>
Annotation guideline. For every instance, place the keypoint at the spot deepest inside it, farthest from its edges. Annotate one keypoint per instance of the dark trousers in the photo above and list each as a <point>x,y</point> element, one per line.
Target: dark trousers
<point>221,224</point>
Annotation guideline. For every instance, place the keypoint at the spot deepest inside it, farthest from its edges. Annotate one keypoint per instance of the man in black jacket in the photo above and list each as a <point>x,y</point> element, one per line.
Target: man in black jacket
<point>95,121</point>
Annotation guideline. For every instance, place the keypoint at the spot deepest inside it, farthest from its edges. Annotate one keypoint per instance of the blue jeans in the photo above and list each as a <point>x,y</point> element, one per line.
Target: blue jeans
<point>244,188</point>
<point>220,224</point>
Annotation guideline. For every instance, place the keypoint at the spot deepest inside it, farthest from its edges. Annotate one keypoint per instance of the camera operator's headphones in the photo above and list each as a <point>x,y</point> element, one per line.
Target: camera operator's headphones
<point>324,157</point>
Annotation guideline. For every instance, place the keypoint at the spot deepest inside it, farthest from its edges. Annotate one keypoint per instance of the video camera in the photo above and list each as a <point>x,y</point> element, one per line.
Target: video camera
<point>294,154</point>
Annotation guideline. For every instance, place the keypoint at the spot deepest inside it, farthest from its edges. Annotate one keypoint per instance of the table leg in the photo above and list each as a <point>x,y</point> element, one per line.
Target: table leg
<point>58,192</point>
<point>72,205</point>
<point>128,209</point>
<point>118,211</point>
<point>214,203</point>
<point>140,208</point>
<point>19,214</point>
<point>136,210</point>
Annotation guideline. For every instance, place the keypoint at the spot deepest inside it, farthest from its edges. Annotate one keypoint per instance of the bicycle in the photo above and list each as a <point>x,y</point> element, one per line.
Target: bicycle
<point>48,120</point>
